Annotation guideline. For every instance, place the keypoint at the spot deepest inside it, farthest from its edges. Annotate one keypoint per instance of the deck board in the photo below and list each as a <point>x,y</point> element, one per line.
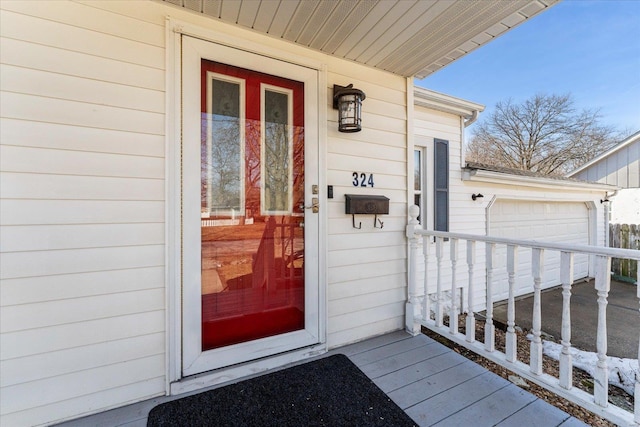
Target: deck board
<point>433,384</point>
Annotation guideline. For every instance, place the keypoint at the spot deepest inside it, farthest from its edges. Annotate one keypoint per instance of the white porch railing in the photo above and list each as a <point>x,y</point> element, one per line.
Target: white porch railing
<point>421,310</point>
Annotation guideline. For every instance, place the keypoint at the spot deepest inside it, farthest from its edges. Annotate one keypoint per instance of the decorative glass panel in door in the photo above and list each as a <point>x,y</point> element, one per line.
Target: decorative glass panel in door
<point>252,198</point>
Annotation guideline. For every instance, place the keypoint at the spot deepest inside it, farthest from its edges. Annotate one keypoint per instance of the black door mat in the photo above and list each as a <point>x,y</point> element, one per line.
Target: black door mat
<point>327,392</point>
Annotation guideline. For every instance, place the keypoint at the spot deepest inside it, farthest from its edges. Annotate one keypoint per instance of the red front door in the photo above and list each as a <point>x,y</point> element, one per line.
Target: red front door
<point>252,197</point>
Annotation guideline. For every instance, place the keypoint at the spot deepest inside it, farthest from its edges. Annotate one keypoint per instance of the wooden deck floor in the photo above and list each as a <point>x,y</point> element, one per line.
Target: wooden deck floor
<point>433,384</point>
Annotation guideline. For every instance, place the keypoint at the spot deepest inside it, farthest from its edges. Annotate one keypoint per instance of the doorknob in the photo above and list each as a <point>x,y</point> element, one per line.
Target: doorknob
<point>315,205</point>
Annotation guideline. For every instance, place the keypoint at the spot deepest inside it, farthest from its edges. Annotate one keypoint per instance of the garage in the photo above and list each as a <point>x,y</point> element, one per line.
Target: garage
<point>560,222</point>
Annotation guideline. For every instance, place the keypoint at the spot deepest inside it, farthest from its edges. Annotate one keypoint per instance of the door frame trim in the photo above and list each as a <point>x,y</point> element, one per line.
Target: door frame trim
<point>174,30</point>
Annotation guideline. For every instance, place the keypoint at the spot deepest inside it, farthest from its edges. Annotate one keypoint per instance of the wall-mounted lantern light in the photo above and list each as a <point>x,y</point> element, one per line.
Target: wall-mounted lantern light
<point>348,101</point>
<point>476,196</point>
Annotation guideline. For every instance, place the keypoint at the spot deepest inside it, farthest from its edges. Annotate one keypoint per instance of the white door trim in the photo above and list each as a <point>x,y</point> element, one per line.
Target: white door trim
<point>173,227</point>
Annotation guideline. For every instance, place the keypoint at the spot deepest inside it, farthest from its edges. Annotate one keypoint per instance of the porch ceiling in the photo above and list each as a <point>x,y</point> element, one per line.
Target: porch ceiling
<point>405,37</point>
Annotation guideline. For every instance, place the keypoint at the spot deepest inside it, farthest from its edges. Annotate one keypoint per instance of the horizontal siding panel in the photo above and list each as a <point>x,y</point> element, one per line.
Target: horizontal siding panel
<point>46,212</point>
<point>47,391</point>
<point>25,133</point>
<point>153,13</point>
<point>355,288</point>
<point>28,107</point>
<point>52,85</point>
<point>367,149</point>
<point>31,316</point>
<point>28,264</point>
<point>363,317</point>
<point>365,241</point>
<point>50,33</point>
<point>57,363</point>
<point>385,108</point>
<point>361,257</point>
<point>372,165</point>
<point>88,404</point>
<point>67,162</point>
<point>29,55</point>
<point>61,187</point>
<point>367,135</point>
<point>54,237</point>
<point>363,332</point>
<point>80,285</point>
<point>348,274</point>
<point>55,338</point>
<point>91,18</point>
<point>370,299</point>
<point>344,226</point>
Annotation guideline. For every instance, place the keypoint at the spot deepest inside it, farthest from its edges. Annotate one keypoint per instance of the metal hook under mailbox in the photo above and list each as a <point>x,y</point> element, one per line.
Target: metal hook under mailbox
<point>376,221</point>
<point>353,220</point>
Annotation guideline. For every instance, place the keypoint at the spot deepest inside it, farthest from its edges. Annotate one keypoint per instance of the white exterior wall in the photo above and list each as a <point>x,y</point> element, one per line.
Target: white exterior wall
<point>83,293</point>
<point>367,267</point>
<point>82,186</point>
<point>621,168</point>
<point>469,216</point>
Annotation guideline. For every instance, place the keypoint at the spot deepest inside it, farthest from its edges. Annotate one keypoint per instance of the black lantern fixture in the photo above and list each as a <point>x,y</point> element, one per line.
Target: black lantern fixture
<point>348,101</point>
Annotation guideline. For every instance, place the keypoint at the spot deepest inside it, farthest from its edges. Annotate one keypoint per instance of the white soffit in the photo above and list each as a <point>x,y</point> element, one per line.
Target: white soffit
<point>405,37</point>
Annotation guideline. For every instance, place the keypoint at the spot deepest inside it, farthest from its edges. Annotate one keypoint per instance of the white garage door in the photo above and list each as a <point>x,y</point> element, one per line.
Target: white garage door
<point>530,220</point>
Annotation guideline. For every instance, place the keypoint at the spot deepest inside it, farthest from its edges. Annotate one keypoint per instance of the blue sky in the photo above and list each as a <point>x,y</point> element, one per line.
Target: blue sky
<point>590,49</point>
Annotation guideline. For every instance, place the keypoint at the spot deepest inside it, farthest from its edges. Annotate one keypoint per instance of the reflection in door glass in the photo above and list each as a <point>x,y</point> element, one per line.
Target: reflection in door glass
<point>276,152</point>
<point>252,186</point>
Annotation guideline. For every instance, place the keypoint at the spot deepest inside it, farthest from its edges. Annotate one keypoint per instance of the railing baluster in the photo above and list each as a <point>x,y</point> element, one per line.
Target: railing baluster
<point>510,339</point>
<point>412,307</point>
<point>489,329</point>
<point>471,320</point>
<point>453,311</point>
<point>434,307</point>
<point>601,376</point>
<point>426,302</point>
<point>537,269</point>
<point>566,363</point>
<point>439,302</point>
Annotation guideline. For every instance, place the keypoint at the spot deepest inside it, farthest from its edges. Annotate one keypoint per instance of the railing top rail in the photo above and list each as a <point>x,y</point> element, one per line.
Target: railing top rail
<point>539,244</point>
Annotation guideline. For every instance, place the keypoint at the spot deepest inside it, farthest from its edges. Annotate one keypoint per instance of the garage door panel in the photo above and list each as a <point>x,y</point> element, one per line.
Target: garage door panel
<point>553,222</point>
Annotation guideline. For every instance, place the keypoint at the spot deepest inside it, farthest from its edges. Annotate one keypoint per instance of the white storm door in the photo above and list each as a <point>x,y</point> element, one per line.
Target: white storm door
<point>249,247</point>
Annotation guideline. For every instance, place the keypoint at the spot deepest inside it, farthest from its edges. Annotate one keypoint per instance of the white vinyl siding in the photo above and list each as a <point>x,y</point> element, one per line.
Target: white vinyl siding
<point>82,325</point>
<point>621,168</point>
<point>366,267</point>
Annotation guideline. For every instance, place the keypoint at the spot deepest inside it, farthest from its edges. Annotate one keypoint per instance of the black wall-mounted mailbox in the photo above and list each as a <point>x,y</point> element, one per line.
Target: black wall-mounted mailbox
<point>366,204</point>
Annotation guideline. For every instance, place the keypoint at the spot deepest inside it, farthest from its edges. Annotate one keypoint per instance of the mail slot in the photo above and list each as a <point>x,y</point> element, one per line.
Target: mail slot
<point>365,204</point>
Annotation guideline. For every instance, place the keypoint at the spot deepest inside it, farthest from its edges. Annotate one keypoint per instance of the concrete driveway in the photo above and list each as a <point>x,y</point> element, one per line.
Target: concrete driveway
<point>623,316</point>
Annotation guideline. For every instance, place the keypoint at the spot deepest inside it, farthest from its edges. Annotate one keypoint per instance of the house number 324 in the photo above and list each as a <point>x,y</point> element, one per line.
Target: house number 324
<point>361,179</point>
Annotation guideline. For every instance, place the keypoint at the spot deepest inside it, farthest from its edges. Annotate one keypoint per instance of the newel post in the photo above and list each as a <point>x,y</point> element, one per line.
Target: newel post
<point>412,307</point>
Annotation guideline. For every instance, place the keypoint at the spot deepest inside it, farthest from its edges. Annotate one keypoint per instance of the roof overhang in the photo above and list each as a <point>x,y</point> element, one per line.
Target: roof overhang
<point>492,177</point>
<point>407,38</point>
<point>446,103</point>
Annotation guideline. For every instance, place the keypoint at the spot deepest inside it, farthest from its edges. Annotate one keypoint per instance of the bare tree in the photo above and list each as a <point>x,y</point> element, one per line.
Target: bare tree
<point>542,134</point>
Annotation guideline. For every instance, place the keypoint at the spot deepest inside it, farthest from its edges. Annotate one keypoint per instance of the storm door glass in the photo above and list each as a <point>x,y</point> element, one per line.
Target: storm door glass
<point>252,192</point>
